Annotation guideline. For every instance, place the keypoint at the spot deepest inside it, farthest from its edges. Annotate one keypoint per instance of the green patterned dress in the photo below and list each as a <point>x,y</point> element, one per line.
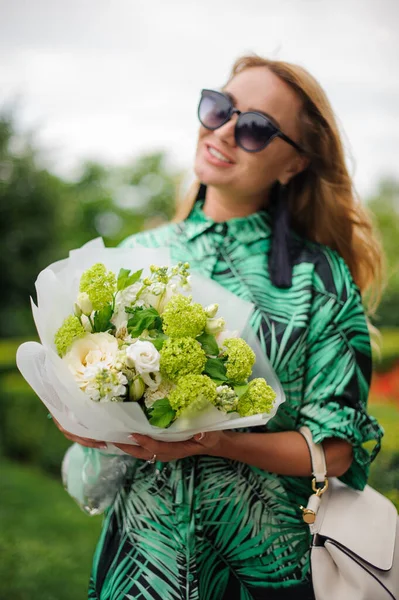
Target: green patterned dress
<point>206,528</point>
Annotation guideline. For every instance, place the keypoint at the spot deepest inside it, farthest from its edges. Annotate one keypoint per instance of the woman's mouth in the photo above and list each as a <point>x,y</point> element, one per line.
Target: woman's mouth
<point>217,158</point>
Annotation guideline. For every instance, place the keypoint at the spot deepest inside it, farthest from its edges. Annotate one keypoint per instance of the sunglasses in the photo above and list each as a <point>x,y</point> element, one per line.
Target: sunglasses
<point>253,130</point>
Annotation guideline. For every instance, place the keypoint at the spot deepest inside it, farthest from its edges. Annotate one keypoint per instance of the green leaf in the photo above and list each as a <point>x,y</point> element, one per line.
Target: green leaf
<point>215,369</point>
<point>209,344</point>
<point>125,279</point>
<point>102,319</point>
<point>144,318</point>
<point>161,413</point>
<point>241,389</point>
<point>158,340</point>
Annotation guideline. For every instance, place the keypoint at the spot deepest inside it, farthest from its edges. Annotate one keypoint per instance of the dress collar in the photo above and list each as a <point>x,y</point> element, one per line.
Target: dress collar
<point>244,229</point>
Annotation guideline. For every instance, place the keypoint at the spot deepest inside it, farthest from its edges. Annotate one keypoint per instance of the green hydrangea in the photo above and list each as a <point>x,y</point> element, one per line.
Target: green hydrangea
<point>192,391</point>
<point>240,359</point>
<point>99,285</point>
<point>258,398</point>
<point>181,356</point>
<point>181,318</point>
<point>70,330</point>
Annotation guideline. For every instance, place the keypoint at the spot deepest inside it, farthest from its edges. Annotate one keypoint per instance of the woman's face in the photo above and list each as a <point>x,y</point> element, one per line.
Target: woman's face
<point>246,173</point>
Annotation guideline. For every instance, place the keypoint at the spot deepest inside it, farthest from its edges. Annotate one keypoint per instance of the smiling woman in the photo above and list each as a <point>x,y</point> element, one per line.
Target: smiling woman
<point>273,218</point>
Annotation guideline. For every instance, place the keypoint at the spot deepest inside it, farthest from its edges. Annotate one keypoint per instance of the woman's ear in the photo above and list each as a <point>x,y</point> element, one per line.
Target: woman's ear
<point>299,164</point>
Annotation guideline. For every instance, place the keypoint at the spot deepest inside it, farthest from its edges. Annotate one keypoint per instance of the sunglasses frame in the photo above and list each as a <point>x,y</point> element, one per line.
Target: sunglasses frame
<point>233,110</point>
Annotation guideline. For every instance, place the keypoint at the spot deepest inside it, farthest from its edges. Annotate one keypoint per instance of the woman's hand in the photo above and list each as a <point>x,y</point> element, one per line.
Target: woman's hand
<point>201,443</point>
<point>89,443</point>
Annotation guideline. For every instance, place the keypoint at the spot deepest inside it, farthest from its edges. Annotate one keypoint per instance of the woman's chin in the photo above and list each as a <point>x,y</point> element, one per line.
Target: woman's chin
<point>209,174</point>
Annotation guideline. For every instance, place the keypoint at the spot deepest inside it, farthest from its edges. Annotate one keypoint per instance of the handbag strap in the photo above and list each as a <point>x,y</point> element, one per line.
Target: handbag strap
<point>317,456</point>
<point>319,470</point>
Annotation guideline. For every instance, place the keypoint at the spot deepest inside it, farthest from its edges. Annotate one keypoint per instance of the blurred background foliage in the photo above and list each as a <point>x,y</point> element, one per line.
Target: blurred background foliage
<point>42,216</point>
<point>46,543</point>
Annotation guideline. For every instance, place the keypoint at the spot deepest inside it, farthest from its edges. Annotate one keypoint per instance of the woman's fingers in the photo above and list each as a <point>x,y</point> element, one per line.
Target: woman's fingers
<point>88,443</point>
<point>136,451</point>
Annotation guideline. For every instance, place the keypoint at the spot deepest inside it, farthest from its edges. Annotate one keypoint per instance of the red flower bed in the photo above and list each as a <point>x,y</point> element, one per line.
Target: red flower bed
<point>386,384</point>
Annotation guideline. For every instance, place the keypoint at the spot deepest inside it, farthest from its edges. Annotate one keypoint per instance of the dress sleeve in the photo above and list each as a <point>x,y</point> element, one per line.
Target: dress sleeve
<point>339,368</point>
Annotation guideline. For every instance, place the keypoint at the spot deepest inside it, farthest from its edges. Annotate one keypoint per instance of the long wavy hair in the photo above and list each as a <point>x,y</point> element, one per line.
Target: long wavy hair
<point>323,204</point>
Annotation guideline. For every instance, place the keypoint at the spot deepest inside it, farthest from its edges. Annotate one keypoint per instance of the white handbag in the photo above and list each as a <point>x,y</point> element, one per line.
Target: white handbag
<point>355,537</point>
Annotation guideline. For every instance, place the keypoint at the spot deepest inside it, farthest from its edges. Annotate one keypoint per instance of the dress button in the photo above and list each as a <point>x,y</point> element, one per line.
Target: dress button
<point>190,577</point>
<point>221,228</point>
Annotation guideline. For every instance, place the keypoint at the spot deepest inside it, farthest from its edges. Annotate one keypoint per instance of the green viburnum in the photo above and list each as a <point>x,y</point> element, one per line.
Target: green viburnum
<point>181,318</point>
<point>258,398</point>
<point>240,359</point>
<point>99,285</point>
<point>192,391</point>
<point>181,356</point>
<point>70,330</point>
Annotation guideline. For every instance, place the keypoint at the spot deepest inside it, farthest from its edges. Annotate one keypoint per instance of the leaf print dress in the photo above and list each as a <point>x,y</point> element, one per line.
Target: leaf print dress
<point>205,528</point>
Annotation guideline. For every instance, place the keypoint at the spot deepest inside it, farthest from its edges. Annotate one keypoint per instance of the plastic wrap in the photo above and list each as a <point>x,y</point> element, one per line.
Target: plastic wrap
<point>92,477</point>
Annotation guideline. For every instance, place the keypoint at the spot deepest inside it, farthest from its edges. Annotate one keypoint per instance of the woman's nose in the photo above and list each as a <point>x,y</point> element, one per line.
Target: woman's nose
<point>226,131</point>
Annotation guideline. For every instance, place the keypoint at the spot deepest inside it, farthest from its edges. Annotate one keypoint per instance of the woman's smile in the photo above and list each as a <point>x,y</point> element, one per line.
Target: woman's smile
<point>215,157</point>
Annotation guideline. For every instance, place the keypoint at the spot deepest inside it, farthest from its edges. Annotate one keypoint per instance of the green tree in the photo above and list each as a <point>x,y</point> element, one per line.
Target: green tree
<point>29,225</point>
<point>42,217</point>
<point>384,205</point>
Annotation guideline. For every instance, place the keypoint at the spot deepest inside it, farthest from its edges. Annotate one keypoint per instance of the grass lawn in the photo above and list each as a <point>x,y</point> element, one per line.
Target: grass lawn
<point>46,542</point>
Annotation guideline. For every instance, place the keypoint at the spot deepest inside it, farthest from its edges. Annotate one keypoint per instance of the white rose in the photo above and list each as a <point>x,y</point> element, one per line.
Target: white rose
<point>143,356</point>
<point>89,354</point>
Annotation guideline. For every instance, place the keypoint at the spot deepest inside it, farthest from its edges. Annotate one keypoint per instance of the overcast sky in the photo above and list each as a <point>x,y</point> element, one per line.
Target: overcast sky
<point>109,80</point>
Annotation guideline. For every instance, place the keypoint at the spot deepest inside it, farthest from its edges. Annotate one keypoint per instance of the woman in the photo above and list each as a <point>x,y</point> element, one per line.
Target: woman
<point>274,220</point>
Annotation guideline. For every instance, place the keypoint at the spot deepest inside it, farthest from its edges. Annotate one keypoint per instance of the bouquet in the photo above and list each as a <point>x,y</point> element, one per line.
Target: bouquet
<point>128,346</point>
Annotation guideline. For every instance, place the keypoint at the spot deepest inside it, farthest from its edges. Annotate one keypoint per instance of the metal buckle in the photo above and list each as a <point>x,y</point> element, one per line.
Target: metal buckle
<point>319,491</point>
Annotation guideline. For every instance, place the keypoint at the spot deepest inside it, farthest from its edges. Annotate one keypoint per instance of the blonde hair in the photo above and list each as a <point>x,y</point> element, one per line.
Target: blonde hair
<point>323,204</point>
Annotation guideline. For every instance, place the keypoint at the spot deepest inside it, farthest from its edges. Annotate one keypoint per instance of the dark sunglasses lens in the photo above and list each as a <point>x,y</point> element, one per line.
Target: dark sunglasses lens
<point>254,131</point>
<point>213,110</point>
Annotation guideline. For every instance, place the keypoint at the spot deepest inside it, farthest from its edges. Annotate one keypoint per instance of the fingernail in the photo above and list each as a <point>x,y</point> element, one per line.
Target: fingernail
<point>103,446</point>
<point>133,437</point>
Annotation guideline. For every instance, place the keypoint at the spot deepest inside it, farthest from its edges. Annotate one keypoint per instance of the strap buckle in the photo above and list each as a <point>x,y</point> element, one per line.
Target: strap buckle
<point>319,491</point>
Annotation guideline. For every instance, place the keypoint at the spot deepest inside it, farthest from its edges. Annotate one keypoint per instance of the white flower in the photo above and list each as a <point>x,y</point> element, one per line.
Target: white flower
<point>143,356</point>
<point>211,310</point>
<point>94,350</point>
<point>119,319</point>
<point>84,303</point>
<point>125,297</point>
<point>187,286</point>
<point>215,326</point>
<point>227,399</point>
<point>158,295</point>
<point>107,386</point>
<point>162,391</point>
<point>86,323</point>
<point>91,360</point>
<point>152,380</point>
